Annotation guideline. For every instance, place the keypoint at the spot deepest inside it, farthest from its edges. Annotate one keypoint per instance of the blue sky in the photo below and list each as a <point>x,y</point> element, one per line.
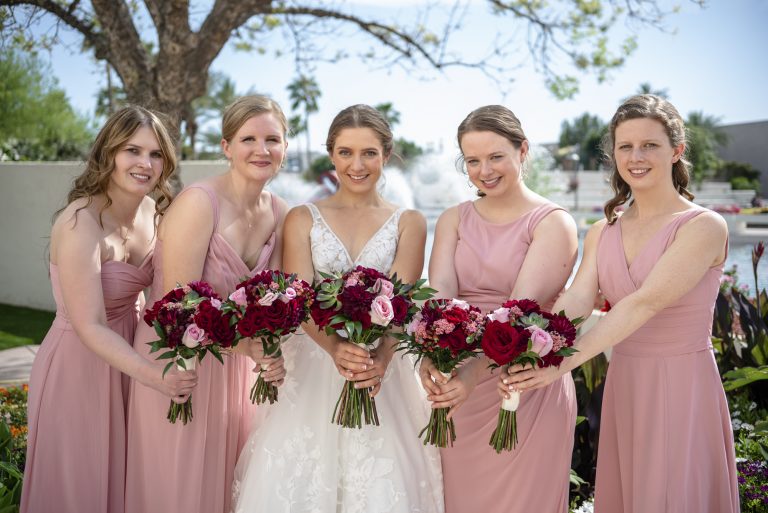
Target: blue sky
<point>712,59</point>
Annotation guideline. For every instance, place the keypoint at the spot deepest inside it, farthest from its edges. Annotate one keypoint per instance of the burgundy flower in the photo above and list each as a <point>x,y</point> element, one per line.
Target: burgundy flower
<point>356,304</point>
<point>221,332</point>
<point>400,307</point>
<point>456,341</point>
<point>370,274</point>
<point>275,315</point>
<point>502,343</point>
<point>456,315</point>
<point>321,317</point>
<point>249,324</point>
<point>203,289</point>
<point>527,306</point>
<point>207,315</point>
<point>562,325</point>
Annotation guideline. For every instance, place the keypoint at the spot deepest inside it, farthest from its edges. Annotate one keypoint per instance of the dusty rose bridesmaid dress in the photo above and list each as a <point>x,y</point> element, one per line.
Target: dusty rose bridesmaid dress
<point>534,476</point>
<point>189,468</point>
<point>666,443</point>
<point>76,441</point>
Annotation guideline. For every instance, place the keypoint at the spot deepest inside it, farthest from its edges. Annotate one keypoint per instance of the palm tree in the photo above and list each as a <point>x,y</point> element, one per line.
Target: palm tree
<point>389,112</point>
<point>304,93</point>
<point>704,138</point>
<point>220,93</point>
<point>647,88</point>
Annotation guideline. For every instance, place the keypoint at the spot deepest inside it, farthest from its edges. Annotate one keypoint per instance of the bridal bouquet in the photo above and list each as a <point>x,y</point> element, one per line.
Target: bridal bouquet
<point>270,306</point>
<point>190,323</point>
<point>447,331</point>
<point>362,305</point>
<point>521,333</point>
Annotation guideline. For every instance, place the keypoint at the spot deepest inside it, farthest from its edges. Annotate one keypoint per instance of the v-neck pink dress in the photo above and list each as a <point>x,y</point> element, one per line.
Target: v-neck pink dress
<point>76,440</point>
<point>189,468</point>
<point>534,476</point>
<point>666,443</point>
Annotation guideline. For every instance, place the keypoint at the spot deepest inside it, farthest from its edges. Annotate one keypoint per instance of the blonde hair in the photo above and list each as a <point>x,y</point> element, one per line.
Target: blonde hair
<point>118,129</point>
<point>246,107</point>
<point>647,106</point>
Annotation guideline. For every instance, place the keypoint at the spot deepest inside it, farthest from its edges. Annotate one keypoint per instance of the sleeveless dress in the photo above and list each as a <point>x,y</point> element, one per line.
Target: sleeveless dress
<point>189,468</point>
<point>297,460</point>
<point>535,475</point>
<point>666,443</point>
<point>76,441</point>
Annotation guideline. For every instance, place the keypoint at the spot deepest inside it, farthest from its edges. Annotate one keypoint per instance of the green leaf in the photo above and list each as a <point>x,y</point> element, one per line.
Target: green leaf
<point>168,367</point>
<point>168,354</point>
<point>738,378</point>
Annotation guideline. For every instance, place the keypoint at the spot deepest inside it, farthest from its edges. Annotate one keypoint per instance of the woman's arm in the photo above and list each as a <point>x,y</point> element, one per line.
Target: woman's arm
<point>78,258</point>
<point>699,245</point>
<point>276,260</point>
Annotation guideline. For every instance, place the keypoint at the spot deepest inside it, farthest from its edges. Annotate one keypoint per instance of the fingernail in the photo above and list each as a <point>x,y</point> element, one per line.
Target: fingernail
<point>370,362</point>
<point>504,381</point>
<point>365,367</point>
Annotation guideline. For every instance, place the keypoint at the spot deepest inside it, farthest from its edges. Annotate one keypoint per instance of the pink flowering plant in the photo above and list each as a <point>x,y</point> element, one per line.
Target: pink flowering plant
<point>363,305</point>
<point>189,322</point>
<point>521,333</point>
<point>270,306</point>
<point>448,332</point>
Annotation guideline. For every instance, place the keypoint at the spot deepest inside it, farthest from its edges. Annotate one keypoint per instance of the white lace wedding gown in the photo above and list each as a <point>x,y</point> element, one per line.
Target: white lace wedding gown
<point>297,460</point>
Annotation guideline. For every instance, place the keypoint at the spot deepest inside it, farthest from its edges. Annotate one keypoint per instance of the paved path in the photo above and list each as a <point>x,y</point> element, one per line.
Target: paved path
<point>16,363</point>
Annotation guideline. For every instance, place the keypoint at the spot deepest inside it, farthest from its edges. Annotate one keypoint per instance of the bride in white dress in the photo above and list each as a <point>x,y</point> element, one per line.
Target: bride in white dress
<point>296,459</point>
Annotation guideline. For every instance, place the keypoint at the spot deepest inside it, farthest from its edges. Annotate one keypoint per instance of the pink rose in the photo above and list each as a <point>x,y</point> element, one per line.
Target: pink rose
<point>268,299</point>
<point>193,336</point>
<point>290,293</point>
<point>239,297</point>
<point>216,303</point>
<point>414,324</point>
<point>500,314</point>
<point>541,341</point>
<point>384,288</point>
<point>381,311</point>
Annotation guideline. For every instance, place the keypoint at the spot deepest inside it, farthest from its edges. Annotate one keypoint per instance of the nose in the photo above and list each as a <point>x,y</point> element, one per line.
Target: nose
<point>636,154</point>
<point>357,162</point>
<point>485,168</point>
<point>145,161</point>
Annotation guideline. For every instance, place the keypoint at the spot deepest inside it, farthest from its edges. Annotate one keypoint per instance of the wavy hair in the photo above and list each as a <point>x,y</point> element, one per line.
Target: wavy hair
<point>115,133</point>
<point>647,106</point>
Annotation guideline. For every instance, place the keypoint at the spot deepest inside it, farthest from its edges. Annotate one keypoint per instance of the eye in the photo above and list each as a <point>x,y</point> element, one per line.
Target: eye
<point>344,153</point>
<point>371,153</point>
<point>247,138</point>
<point>276,140</point>
<point>651,145</point>
<point>132,150</point>
<point>624,146</point>
<point>156,154</point>
<point>497,157</point>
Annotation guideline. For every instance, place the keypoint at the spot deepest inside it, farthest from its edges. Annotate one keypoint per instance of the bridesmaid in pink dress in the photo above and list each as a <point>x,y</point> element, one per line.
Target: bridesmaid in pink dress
<point>665,438</point>
<point>101,245</point>
<point>510,243</point>
<point>219,230</point>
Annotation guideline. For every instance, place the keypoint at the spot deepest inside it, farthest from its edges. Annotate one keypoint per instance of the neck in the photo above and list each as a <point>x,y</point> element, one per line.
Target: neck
<point>514,197</point>
<point>124,207</point>
<point>244,193</point>
<point>652,203</point>
<point>347,198</point>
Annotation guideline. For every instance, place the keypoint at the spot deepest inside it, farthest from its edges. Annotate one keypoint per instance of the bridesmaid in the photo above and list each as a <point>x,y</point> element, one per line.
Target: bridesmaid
<point>219,230</point>
<point>665,437</point>
<point>100,261</point>
<point>510,243</point>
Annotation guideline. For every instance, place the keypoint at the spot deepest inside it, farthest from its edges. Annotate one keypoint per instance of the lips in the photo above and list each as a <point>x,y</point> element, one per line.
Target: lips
<point>141,177</point>
<point>491,182</point>
<point>358,178</point>
<point>639,171</point>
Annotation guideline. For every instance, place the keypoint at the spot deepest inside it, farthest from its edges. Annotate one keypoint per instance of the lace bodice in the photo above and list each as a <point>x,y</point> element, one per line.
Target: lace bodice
<point>330,256</point>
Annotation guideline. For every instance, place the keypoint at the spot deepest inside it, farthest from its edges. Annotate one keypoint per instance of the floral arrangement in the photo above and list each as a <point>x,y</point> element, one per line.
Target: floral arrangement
<point>270,306</point>
<point>189,322</point>
<point>521,333</point>
<point>363,305</point>
<point>448,332</point>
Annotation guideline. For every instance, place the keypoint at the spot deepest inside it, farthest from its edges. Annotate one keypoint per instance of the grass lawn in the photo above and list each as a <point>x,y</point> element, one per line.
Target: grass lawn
<point>21,326</point>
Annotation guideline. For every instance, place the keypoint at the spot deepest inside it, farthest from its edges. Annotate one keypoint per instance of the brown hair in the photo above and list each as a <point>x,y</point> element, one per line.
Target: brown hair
<point>118,129</point>
<point>361,116</point>
<point>651,107</point>
<point>491,118</point>
<point>246,107</point>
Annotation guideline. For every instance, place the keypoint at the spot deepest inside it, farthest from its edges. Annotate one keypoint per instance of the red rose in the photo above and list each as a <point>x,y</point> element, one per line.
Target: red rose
<point>455,341</point>
<point>275,315</point>
<point>321,317</point>
<point>207,315</point>
<point>370,274</point>
<point>248,325</point>
<point>221,332</point>
<point>400,307</point>
<point>502,343</point>
<point>456,315</point>
<point>173,296</point>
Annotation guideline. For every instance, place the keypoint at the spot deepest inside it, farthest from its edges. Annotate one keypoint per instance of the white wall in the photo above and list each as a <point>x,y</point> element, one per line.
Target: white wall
<point>30,193</point>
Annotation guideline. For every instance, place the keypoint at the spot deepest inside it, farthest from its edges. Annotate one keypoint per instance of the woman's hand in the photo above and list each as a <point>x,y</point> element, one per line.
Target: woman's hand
<point>272,368</point>
<point>176,384</point>
<point>374,375</point>
<point>522,378</point>
<point>431,378</point>
<point>453,394</point>
<point>350,358</point>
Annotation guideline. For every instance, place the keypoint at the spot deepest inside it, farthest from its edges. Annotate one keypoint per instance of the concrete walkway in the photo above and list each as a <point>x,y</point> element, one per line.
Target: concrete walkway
<point>16,363</point>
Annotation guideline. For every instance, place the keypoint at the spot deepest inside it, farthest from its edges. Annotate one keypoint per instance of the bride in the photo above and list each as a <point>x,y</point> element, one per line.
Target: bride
<point>296,460</point>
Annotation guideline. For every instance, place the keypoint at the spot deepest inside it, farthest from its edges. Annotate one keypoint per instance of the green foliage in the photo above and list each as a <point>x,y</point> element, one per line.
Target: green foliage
<point>742,176</point>
<point>13,445</point>
<point>586,131</point>
<point>704,138</point>
<point>391,114</point>
<point>318,166</point>
<point>38,122</point>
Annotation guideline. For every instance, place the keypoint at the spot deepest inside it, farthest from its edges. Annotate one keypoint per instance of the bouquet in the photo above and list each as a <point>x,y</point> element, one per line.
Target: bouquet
<point>270,306</point>
<point>190,323</point>
<point>521,333</point>
<point>362,305</point>
<point>448,331</point>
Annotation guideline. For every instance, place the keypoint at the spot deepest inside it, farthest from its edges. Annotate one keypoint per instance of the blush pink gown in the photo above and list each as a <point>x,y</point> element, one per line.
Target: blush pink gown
<point>189,468</point>
<point>666,443</point>
<point>76,441</point>
<point>535,475</point>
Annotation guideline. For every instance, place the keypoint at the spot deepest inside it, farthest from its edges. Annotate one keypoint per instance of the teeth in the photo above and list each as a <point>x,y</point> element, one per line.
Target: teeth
<point>358,178</point>
<point>638,172</point>
<point>143,178</point>
<point>492,181</point>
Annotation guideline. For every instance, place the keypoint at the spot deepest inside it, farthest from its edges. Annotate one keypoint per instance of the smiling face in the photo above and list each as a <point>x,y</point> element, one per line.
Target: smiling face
<point>359,158</point>
<point>257,149</point>
<point>644,154</point>
<point>138,163</point>
<point>494,164</point>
